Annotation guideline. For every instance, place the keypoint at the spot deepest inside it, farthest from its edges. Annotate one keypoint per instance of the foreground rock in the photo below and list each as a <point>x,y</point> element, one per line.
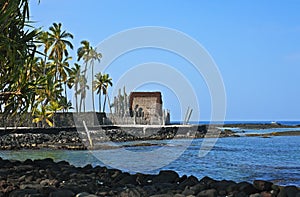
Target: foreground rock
<point>47,178</point>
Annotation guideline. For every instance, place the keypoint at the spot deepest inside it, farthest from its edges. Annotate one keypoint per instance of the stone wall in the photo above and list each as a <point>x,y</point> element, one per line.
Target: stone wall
<point>66,119</point>
<point>18,121</point>
<point>128,120</point>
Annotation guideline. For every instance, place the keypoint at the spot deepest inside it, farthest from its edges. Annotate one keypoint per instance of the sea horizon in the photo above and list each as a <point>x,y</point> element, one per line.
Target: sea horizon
<point>282,122</point>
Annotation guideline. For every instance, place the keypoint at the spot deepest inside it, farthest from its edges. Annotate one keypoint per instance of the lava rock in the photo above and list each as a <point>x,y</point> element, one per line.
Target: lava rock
<point>166,176</point>
<point>208,193</point>
<point>247,188</point>
<point>262,185</point>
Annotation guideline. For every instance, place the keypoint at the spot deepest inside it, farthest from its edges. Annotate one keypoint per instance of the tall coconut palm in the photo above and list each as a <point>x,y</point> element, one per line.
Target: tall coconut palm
<point>89,55</point>
<point>106,81</point>
<point>59,45</point>
<point>63,71</point>
<point>46,43</point>
<point>97,86</point>
<point>82,91</point>
<point>101,84</point>
<point>74,75</point>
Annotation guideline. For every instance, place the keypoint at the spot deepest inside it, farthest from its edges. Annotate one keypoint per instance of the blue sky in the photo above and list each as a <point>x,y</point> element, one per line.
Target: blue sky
<point>255,44</point>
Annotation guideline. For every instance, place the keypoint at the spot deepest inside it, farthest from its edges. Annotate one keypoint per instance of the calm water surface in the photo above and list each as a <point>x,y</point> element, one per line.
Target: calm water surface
<point>275,159</point>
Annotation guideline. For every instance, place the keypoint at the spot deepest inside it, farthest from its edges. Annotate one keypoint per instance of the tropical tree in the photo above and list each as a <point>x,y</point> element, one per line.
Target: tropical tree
<point>106,81</point>
<point>65,104</point>
<point>48,91</point>
<point>45,42</point>
<point>89,55</point>
<point>73,80</point>
<point>64,70</point>
<point>16,47</point>
<point>97,86</point>
<point>43,116</point>
<point>58,39</point>
<point>45,113</point>
<point>101,83</point>
<point>32,80</point>
<point>82,91</point>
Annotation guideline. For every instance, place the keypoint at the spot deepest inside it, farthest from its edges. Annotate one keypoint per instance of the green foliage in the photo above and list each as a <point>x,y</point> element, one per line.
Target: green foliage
<point>100,85</point>
<point>35,66</point>
<point>74,76</point>
<point>16,50</point>
<point>82,91</point>
<point>89,55</point>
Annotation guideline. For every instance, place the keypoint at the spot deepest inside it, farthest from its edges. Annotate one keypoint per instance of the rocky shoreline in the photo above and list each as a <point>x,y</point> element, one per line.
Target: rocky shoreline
<point>73,138</point>
<point>41,178</point>
<point>76,138</point>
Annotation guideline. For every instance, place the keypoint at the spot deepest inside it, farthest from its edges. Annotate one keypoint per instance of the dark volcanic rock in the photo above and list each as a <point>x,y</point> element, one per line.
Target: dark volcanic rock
<point>262,185</point>
<point>190,181</point>
<point>62,193</point>
<point>166,176</point>
<point>289,191</point>
<point>128,180</point>
<point>207,181</point>
<point>24,193</point>
<point>208,193</point>
<point>48,178</point>
<point>60,140</point>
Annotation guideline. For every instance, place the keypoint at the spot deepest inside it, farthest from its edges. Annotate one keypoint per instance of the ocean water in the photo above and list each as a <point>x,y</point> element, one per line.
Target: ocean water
<point>274,159</point>
<point>283,122</point>
<point>242,132</point>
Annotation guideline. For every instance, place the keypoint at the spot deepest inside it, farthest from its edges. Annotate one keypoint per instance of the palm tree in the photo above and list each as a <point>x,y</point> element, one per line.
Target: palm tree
<point>65,104</point>
<point>42,115</point>
<point>101,84</point>
<point>89,55</point>
<point>45,113</point>
<point>82,91</point>
<point>47,42</point>
<point>63,71</point>
<point>74,75</point>
<point>52,108</point>
<point>106,81</point>
<point>98,85</point>
<point>59,43</point>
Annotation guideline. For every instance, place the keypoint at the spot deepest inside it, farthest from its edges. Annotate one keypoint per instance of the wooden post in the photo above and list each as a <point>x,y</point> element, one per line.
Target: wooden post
<point>186,115</point>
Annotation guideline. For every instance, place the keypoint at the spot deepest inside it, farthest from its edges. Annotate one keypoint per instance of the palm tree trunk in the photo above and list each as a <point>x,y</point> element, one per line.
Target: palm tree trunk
<point>100,102</point>
<point>76,103</point>
<point>65,83</point>
<point>80,104</point>
<point>110,111</point>
<point>104,103</point>
<point>93,99</point>
<point>56,73</point>
<point>45,59</point>
<point>76,98</point>
<point>84,71</point>
<point>84,105</point>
